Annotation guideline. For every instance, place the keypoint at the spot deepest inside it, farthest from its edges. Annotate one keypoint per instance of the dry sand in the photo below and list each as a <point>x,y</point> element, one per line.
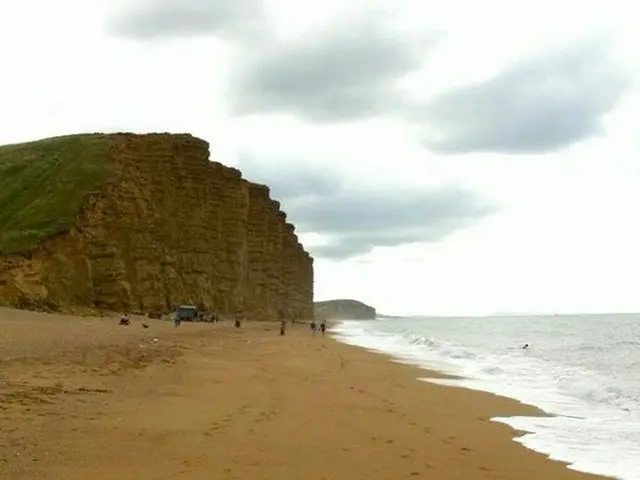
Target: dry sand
<point>84,399</point>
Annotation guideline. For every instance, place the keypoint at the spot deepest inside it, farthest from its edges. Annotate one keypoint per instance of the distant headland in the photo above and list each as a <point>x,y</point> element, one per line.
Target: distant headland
<point>342,309</point>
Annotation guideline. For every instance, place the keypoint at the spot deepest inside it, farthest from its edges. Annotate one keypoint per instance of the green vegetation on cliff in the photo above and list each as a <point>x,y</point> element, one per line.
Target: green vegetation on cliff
<point>43,185</point>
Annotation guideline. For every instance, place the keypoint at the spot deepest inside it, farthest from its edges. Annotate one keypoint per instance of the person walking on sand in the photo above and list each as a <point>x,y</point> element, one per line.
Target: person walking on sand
<point>313,326</point>
<point>283,327</point>
<point>323,326</point>
<point>237,321</point>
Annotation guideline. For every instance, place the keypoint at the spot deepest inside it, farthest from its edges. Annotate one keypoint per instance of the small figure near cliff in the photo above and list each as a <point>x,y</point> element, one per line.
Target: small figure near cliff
<point>313,326</point>
<point>323,326</point>
<point>124,320</point>
<point>283,326</point>
<point>237,321</point>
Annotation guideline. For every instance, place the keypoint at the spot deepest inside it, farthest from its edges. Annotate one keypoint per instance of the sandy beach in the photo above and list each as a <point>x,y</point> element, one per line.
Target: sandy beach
<point>82,398</point>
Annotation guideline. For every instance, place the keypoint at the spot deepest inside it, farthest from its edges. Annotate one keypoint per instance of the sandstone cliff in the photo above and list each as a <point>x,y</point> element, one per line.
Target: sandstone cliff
<point>344,309</point>
<point>168,227</point>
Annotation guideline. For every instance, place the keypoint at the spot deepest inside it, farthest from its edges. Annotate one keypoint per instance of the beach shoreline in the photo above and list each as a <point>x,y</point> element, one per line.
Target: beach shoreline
<point>83,398</point>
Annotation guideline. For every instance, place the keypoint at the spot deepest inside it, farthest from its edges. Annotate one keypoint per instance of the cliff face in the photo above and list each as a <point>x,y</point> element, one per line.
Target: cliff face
<point>344,309</point>
<point>171,228</point>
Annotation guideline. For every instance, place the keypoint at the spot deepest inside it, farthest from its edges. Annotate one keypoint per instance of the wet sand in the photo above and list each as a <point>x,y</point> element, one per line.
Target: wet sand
<point>84,399</point>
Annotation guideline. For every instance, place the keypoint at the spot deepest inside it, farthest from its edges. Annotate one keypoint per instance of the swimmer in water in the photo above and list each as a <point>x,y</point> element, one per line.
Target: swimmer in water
<point>526,346</point>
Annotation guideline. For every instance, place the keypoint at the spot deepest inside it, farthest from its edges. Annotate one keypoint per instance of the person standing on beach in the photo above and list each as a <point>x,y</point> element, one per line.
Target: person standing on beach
<point>323,326</point>
<point>283,326</point>
<point>313,326</point>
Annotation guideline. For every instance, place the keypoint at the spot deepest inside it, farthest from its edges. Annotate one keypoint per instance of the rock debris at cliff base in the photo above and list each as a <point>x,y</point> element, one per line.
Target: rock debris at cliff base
<point>149,223</point>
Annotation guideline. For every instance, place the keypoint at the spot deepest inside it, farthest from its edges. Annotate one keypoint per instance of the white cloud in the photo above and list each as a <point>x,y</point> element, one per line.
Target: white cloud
<point>566,236</point>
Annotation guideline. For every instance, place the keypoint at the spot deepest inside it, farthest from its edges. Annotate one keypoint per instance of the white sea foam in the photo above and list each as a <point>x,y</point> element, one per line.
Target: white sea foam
<point>594,403</point>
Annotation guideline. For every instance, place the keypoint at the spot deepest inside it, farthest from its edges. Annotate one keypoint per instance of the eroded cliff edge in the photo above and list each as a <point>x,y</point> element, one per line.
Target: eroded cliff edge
<point>169,227</point>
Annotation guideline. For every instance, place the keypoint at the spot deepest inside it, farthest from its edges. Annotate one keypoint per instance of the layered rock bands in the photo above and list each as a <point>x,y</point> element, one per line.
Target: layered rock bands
<point>172,228</point>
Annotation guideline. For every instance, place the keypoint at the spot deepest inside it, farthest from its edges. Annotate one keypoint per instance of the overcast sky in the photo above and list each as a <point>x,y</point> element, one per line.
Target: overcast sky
<point>463,159</point>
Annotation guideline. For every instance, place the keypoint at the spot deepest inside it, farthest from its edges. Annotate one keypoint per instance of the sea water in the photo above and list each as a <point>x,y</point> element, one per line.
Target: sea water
<point>583,370</point>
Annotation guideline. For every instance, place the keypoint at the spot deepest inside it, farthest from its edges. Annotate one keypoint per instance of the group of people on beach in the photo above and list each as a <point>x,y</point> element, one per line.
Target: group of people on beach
<point>313,326</point>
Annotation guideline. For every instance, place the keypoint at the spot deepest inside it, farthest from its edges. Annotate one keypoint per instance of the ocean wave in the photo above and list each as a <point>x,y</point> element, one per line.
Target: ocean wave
<point>595,424</point>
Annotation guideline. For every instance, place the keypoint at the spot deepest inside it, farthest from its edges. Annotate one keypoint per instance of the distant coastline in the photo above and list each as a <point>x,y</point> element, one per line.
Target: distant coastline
<point>343,308</point>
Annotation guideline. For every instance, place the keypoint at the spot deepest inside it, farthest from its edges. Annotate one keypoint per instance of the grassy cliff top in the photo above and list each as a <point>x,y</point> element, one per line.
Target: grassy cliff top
<point>43,185</point>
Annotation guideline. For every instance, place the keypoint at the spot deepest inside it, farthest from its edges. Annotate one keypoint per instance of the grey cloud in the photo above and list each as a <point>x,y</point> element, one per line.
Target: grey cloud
<point>290,182</point>
<point>153,19</point>
<point>535,105</point>
<point>348,72</point>
<point>356,220</point>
